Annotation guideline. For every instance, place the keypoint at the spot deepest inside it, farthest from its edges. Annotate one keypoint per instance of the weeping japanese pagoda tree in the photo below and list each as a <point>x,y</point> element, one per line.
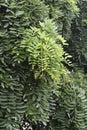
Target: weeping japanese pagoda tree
<point>31,56</point>
<point>41,48</point>
<point>15,17</point>
<point>71,107</point>
<point>28,70</point>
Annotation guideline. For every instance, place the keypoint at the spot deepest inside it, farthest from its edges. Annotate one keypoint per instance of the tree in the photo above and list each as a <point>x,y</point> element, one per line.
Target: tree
<point>14,19</point>
<point>34,80</point>
<point>18,82</point>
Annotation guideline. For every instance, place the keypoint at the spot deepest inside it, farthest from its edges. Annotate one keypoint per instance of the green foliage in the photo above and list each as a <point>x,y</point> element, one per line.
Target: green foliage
<point>71,109</point>
<point>31,57</point>
<point>40,46</point>
<point>78,39</point>
<point>63,12</point>
<point>11,107</point>
<point>15,17</point>
<point>42,49</point>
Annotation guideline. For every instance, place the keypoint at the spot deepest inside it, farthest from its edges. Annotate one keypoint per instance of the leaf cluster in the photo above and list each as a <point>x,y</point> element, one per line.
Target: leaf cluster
<point>42,49</point>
